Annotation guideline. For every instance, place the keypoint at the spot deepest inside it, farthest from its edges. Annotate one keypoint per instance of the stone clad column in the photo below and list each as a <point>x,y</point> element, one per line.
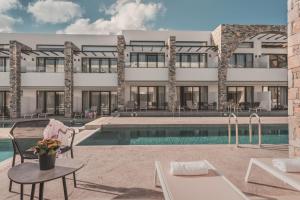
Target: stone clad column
<point>68,68</point>
<point>15,57</point>
<point>172,97</point>
<point>121,44</point>
<point>294,76</point>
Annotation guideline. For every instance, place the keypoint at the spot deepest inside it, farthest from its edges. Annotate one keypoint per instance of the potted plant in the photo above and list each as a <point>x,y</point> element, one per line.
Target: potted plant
<point>46,150</point>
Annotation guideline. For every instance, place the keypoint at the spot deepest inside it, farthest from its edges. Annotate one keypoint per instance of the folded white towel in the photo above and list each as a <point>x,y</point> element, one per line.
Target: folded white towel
<point>189,168</point>
<point>287,165</point>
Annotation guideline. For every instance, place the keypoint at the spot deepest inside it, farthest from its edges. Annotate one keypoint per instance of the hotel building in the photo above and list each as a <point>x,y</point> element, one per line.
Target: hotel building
<point>58,74</point>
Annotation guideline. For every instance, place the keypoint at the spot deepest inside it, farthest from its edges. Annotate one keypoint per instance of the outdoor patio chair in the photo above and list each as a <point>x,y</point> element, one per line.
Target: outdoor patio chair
<point>192,106</point>
<point>256,107</point>
<point>143,106</point>
<point>213,186</point>
<point>25,134</point>
<point>293,179</point>
<point>130,105</point>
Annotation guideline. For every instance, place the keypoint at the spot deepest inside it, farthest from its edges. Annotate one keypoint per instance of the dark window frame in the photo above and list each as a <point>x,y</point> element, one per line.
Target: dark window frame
<point>5,103</point>
<point>44,65</point>
<point>277,93</point>
<point>190,59</point>
<point>5,62</point>
<point>245,60</point>
<point>100,63</point>
<point>245,90</point>
<point>251,45</point>
<point>56,107</point>
<point>182,98</point>
<point>277,58</point>
<point>157,96</point>
<point>146,59</point>
<point>100,100</point>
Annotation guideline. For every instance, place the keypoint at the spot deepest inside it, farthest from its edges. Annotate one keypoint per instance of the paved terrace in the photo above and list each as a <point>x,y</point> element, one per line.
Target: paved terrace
<point>148,121</point>
<point>127,172</point>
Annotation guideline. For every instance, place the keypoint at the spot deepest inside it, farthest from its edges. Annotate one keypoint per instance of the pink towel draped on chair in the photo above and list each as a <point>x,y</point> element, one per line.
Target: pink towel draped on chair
<point>52,129</point>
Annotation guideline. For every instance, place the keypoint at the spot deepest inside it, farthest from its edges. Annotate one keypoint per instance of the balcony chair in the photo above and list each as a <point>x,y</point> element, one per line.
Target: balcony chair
<point>130,105</point>
<point>25,134</point>
<point>192,106</point>
<point>143,106</point>
<point>256,107</point>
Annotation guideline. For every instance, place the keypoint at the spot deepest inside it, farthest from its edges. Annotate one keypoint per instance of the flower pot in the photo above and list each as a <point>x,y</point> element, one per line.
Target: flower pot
<point>47,161</point>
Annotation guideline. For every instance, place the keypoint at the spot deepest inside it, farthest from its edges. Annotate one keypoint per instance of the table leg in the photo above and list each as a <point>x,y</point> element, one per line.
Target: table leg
<point>74,177</point>
<point>41,193</point>
<point>65,187</point>
<point>32,191</point>
<point>21,192</point>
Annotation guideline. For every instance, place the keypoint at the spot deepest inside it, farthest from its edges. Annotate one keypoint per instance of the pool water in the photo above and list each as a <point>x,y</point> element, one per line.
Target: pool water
<point>6,149</point>
<point>202,134</point>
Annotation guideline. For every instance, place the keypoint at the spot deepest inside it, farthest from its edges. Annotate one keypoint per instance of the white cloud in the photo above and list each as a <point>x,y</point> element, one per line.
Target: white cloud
<point>6,5</point>
<point>7,22</point>
<point>53,11</point>
<point>123,14</point>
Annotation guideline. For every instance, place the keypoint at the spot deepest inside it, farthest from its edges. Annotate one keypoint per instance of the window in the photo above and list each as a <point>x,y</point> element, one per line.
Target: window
<point>279,97</point>
<point>274,45</point>
<point>50,47</point>
<point>154,43</point>
<point>4,65</point>
<point>4,103</point>
<point>145,97</point>
<point>189,96</point>
<point>240,60</point>
<point>246,45</point>
<point>191,60</point>
<point>51,102</point>
<point>191,43</point>
<point>104,102</point>
<point>278,60</point>
<point>103,48</point>
<point>99,65</point>
<point>150,60</point>
<point>49,64</point>
<point>240,95</point>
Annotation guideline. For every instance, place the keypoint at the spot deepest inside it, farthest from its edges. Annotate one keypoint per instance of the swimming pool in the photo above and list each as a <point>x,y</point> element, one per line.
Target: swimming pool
<point>171,135</point>
<point>6,149</point>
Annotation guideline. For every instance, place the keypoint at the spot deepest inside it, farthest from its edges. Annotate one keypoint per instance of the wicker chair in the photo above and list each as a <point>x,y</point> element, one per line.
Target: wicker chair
<point>25,134</point>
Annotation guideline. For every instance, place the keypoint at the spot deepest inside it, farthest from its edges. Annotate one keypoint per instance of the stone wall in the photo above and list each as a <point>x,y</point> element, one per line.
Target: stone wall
<point>172,98</point>
<point>227,38</point>
<point>294,76</point>
<point>69,70</point>
<point>15,51</point>
<point>121,71</point>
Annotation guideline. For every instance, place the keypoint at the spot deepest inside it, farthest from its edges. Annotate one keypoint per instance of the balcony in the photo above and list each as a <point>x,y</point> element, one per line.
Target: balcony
<point>196,74</point>
<point>257,74</point>
<point>42,79</point>
<point>95,79</point>
<point>4,79</point>
<point>146,74</point>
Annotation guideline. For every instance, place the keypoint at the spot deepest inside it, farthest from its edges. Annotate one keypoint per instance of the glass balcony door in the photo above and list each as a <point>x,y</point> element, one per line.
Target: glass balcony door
<point>104,102</point>
<point>193,96</point>
<point>148,97</point>
<point>4,101</point>
<point>51,102</point>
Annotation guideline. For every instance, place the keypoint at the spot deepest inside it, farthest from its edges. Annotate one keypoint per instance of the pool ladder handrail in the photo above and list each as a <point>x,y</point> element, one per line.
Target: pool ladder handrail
<point>259,128</point>
<point>236,129</point>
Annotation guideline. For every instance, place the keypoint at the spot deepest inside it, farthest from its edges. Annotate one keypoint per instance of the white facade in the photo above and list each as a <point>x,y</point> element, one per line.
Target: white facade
<point>260,74</point>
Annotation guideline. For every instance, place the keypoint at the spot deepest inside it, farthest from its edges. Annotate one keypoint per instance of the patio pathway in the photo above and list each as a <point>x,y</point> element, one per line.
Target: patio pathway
<point>127,172</point>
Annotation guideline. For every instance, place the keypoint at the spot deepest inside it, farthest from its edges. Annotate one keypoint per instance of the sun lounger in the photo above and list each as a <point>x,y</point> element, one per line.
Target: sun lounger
<point>292,179</point>
<point>213,186</point>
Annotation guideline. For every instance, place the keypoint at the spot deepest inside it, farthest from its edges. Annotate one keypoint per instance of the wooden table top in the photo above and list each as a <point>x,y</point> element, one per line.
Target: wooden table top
<point>30,173</point>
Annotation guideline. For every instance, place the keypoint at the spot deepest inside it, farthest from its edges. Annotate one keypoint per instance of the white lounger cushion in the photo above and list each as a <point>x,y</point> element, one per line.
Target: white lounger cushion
<point>188,168</point>
<point>287,165</point>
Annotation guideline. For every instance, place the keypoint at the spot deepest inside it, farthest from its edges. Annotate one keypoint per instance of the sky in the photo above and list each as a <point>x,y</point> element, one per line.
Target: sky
<point>112,16</point>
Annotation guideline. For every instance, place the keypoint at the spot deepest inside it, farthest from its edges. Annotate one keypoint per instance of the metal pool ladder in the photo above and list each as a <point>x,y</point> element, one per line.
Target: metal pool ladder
<point>236,129</point>
<point>259,128</point>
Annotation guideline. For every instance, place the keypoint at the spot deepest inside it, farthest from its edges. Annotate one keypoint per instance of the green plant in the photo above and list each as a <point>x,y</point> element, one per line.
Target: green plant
<point>47,146</point>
